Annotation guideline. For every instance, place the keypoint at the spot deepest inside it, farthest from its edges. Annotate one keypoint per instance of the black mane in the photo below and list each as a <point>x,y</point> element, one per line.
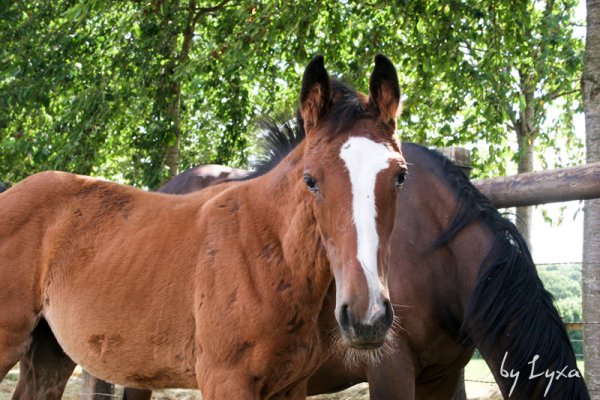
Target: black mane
<point>509,295</point>
<point>278,140</point>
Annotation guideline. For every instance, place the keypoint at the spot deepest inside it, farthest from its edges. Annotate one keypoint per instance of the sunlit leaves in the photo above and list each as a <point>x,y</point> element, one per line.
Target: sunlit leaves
<point>88,85</point>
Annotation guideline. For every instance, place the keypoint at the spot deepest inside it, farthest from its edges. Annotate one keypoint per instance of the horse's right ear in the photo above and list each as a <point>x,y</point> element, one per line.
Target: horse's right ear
<point>316,93</point>
<point>384,90</point>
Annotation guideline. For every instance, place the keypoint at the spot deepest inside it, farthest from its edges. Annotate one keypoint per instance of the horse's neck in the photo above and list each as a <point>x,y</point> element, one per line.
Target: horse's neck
<point>464,252</point>
<point>292,221</point>
<point>470,248</point>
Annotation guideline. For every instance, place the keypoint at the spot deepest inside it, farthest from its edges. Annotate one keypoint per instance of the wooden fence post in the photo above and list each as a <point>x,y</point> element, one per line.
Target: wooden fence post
<point>459,156</point>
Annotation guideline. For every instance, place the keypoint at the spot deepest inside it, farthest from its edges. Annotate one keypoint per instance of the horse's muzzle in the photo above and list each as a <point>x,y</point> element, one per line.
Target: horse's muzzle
<point>360,335</point>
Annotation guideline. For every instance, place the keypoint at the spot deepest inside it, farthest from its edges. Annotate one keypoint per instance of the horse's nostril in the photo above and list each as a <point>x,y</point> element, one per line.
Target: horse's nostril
<point>388,318</point>
<point>346,319</point>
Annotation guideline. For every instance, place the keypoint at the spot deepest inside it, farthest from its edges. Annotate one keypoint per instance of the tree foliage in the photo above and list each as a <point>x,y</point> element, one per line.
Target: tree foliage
<point>564,282</point>
<point>128,89</point>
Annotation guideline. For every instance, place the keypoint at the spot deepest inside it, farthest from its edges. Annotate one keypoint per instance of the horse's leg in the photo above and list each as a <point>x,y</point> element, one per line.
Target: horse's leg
<point>16,325</point>
<point>96,389</point>
<point>393,378</point>
<point>137,394</point>
<point>93,388</point>
<point>443,388</point>
<point>44,369</point>
<point>460,393</point>
<point>20,291</point>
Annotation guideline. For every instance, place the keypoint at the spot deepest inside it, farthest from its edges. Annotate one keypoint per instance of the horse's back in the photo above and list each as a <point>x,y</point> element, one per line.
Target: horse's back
<point>200,177</point>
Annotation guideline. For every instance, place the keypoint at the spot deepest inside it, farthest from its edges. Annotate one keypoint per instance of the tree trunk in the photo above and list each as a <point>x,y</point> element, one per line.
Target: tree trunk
<point>591,234</point>
<point>525,214</point>
<point>526,133</point>
<point>173,158</point>
<point>176,60</point>
<point>167,102</point>
<point>172,149</point>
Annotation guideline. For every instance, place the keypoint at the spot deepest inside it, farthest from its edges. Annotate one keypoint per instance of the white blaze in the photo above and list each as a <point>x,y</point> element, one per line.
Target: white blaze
<point>364,160</point>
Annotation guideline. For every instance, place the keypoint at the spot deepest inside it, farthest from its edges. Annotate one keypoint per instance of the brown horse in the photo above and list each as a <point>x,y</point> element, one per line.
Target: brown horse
<point>200,177</point>
<point>221,289</point>
<point>460,276</point>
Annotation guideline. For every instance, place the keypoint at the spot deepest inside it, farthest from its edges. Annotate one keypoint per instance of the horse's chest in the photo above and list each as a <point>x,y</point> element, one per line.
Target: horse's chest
<point>274,363</point>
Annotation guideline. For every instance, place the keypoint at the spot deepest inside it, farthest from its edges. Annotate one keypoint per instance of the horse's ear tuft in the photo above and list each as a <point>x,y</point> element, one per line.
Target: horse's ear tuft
<point>316,92</point>
<point>384,90</point>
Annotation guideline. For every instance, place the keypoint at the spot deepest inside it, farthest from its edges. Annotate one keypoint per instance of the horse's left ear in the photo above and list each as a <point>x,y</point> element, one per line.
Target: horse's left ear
<point>315,94</point>
<point>384,90</point>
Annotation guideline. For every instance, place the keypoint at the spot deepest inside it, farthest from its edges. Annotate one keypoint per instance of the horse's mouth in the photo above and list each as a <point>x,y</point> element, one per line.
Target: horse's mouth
<point>366,345</point>
<point>365,337</point>
<point>362,351</point>
<point>358,343</point>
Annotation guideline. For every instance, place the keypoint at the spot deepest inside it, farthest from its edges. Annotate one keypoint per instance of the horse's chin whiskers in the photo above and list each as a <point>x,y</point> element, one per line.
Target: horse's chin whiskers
<point>397,324</point>
<point>354,357</point>
<point>401,306</point>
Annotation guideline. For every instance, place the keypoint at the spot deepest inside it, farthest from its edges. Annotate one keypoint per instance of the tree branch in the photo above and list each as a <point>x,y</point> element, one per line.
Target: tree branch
<point>557,93</point>
<point>194,14</point>
<point>513,118</point>
<point>207,10</point>
<point>188,32</point>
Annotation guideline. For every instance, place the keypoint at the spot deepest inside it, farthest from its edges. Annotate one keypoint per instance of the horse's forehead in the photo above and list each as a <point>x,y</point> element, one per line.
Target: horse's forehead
<point>365,156</point>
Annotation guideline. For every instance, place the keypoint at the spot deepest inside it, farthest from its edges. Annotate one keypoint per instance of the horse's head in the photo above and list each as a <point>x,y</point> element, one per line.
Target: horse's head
<point>353,169</point>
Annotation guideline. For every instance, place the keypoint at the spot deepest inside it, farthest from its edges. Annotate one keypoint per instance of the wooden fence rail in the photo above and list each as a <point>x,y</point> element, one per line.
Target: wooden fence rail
<point>564,184</point>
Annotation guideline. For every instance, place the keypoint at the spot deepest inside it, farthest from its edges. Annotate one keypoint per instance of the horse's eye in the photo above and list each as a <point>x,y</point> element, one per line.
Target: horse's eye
<point>311,183</point>
<point>400,179</point>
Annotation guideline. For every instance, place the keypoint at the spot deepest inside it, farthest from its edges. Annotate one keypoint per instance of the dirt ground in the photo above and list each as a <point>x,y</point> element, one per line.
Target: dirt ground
<point>73,390</point>
<point>358,392</point>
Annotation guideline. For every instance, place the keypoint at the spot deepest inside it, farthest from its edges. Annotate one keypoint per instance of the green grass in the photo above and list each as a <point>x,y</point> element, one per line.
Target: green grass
<point>479,381</point>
